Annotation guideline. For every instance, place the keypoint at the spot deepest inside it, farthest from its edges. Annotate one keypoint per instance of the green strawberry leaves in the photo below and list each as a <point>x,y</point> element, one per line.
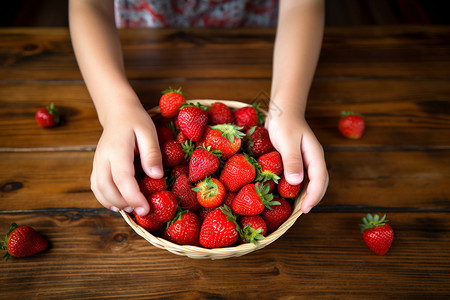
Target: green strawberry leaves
<point>230,131</point>
<point>370,221</point>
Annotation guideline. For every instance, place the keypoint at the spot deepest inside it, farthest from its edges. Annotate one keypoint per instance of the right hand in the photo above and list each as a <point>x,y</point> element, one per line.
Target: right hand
<point>127,130</point>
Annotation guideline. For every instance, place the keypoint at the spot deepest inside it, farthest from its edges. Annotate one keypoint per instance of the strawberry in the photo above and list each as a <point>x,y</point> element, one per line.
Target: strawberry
<point>270,183</point>
<point>184,228</point>
<point>23,241</point>
<point>148,222</point>
<point>171,101</point>
<point>258,141</point>
<point>163,205</point>
<point>47,116</point>
<point>210,192</point>
<point>182,188</point>
<point>287,190</point>
<point>180,169</point>
<point>164,134</point>
<point>192,120</point>
<point>276,215</point>
<point>252,199</point>
<point>149,185</point>
<point>229,198</point>
<point>238,171</point>
<point>377,234</point>
<point>219,229</point>
<point>225,138</point>
<point>247,117</point>
<point>202,163</point>
<point>254,229</point>
<point>351,125</point>
<point>172,154</point>
<point>271,166</point>
<point>219,113</point>
<point>181,138</point>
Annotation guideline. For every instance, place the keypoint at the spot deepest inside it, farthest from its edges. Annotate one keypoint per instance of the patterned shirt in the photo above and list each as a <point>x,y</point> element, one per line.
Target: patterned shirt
<point>196,13</point>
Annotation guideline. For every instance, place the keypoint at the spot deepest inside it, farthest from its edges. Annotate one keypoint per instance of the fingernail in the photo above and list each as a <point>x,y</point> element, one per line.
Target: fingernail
<point>294,178</point>
<point>140,211</point>
<point>128,209</point>
<point>306,210</point>
<point>114,209</point>
<point>156,171</point>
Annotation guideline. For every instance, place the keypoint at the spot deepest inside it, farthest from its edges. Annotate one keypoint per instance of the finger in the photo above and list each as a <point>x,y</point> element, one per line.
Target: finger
<point>292,159</point>
<point>150,152</point>
<point>317,174</point>
<point>122,170</point>
<point>104,189</point>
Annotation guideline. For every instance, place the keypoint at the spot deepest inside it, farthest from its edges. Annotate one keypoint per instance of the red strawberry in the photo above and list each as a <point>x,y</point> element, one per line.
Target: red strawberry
<point>203,212</point>
<point>238,171</point>
<point>202,163</point>
<point>252,199</point>
<point>22,241</point>
<point>149,185</point>
<point>270,183</point>
<point>184,229</point>
<point>287,190</point>
<point>181,138</point>
<point>148,222</point>
<point>164,134</point>
<point>180,169</point>
<point>258,141</point>
<point>162,206</point>
<point>182,188</point>
<point>192,121</point>
<point>254,228</point>
<point>229,198</point>
<point>47,116</point>
<point>219,229</point>
<point>247,117</point>
<point>276,215</point>
<point>201,142</point>
<point>271,166</point>
<point>351,125</point>
<point>172,154</point>
<point>171,101</point>
<point>377,234</point>
<point>225,138</point>
<point>219,113</point>
<point>210,192</point>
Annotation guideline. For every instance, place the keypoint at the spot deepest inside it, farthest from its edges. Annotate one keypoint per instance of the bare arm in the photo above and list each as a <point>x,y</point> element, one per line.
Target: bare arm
<point>127,128</point>
<point>297,48</point>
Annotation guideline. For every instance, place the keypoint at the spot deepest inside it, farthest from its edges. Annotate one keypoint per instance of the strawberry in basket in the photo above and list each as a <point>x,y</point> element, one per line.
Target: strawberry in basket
<point>224,187</point>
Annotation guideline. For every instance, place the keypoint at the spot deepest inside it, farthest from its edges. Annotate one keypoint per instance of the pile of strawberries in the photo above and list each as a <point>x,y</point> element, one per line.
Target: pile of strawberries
<point>224,181</point>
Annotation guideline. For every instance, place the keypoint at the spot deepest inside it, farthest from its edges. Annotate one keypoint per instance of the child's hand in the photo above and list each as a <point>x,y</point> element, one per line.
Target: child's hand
<point>127,130</point>
<point>299,148</point>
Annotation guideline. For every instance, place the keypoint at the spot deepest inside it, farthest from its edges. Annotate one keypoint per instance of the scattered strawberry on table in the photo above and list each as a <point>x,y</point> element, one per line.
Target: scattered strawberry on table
<point>377,234</point>
<point>23,241</point>
<point>221,176</point>
<point>47,117</point>
<point>351,125</point>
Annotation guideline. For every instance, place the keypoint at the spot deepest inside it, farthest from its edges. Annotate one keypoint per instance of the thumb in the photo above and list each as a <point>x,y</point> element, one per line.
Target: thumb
<point>292,162</point>
<point>150,153</point>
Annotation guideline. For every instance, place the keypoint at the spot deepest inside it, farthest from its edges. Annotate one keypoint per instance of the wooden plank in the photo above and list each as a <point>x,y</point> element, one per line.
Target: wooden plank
<point>399,113</point>
<point>412,180</point>
<point>46,54</point>
<point>322,255</point>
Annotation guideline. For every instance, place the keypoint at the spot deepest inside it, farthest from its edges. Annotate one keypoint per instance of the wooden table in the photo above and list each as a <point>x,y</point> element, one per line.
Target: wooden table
<point>398,77</point>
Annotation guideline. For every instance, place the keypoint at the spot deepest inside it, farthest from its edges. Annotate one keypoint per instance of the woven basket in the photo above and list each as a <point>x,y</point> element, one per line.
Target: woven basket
<point>217,253</point>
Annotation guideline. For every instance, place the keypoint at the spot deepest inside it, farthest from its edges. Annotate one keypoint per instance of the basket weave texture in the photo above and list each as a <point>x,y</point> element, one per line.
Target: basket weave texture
<point>217,253</point>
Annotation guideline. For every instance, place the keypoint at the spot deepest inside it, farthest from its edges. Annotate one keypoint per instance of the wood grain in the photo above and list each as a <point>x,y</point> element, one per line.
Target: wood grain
<point>411,180</point>
<point>404,51</point>
<point>319,255</point>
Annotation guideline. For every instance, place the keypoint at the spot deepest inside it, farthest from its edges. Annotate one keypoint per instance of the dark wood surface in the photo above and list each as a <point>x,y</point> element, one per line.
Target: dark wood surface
<point>398,77</point>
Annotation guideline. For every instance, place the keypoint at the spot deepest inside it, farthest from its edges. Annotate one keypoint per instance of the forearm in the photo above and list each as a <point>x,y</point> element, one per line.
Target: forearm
<point>297,48</point>
<point>99,55</point>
